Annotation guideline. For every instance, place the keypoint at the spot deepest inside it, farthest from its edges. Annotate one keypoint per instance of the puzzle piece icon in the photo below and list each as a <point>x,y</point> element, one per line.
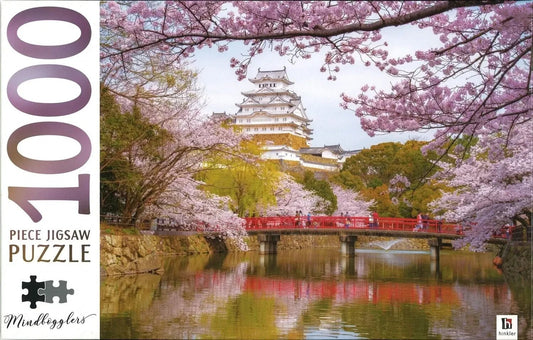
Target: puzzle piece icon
<point>33,288</point>
<point>61,291</point>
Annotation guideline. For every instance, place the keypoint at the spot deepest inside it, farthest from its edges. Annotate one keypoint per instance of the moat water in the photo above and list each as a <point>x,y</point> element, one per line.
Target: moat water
<point>315,294</point>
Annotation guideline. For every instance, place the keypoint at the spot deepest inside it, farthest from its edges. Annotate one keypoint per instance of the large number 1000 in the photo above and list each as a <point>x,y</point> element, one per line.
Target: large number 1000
<point>23,195</point>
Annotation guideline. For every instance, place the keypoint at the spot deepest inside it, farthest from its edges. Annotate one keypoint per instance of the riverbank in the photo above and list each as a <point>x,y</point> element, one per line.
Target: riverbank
<point>134,254</point>
<point>516,261</point>
<point>125,252</point>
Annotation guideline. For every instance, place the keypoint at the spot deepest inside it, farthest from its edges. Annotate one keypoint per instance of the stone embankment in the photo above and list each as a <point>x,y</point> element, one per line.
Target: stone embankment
<point>128,254</point>
<point>516,261</point>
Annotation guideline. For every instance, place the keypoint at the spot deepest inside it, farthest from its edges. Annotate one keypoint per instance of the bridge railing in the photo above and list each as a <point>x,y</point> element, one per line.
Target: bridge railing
<point>340,222</point>
<point>316,222</point>
<point>383,223</point>
<point>412,224</point>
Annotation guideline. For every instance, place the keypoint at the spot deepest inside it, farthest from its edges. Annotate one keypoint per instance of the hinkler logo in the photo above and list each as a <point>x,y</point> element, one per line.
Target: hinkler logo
<point>506,327</point>
<point>507,323</point>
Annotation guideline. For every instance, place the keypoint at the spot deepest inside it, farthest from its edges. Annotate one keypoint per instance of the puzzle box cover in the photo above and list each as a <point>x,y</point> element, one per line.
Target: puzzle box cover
<point>50,273</point>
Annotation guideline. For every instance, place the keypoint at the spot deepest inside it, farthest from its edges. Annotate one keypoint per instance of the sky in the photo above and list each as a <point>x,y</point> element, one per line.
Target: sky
<point>321,97</point>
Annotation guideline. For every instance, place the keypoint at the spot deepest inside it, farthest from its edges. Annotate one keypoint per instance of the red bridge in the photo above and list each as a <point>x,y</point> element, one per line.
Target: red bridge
<point>269,230</point>
<point>351,223</point>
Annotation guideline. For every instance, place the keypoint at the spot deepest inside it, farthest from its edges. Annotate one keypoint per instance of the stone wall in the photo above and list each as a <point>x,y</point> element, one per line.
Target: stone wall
<point>129,254</point>
<point>516,261</point>
<point>367,242</point>
<point>298,242</point>
<point>516,267</point>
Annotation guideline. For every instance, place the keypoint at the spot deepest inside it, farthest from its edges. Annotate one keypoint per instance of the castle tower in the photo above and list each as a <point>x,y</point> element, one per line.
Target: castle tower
<point>274,115</point>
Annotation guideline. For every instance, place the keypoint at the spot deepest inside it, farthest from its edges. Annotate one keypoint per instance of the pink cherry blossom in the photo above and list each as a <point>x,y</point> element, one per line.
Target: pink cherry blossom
<point>291,196</point>
<point>349,201</point>
<point>492,186</point>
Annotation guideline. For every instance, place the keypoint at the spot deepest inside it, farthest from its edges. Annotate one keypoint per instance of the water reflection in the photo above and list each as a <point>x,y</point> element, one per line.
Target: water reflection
<point>309,294</point>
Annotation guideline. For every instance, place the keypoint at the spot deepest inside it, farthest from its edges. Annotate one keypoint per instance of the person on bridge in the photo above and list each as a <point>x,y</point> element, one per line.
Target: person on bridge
<point>373,220</point>
<point>419,222</point>
<point>297,219</point>
<point>425,221</point>
<point>375,217</point>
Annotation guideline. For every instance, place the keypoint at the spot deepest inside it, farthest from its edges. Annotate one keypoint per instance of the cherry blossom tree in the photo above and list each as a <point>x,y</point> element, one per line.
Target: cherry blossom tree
<point>146,168</point>
<point>399,183</point>
<point>493,187</point>
<point>291,196</point>
<point>349,201</point>
<point>478,82</point>
<point>199,210</point>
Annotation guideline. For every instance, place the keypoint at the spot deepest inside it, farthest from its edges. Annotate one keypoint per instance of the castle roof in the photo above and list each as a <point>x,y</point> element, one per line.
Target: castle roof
<point>271,75</point>
<point>319,149</point>
<point>336,149</point>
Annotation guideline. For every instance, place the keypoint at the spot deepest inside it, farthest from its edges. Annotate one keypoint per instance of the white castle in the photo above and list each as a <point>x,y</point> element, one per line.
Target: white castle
<point>276,117</point>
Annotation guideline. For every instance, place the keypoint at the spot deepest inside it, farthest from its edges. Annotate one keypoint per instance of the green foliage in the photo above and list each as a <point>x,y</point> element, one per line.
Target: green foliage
<point>243,177</point>
<point>125,137</point>
<point>349,180</point>
<point>321,188</point>
<point>383,204</point>
<point>371,170</point>
<point>374,166</point>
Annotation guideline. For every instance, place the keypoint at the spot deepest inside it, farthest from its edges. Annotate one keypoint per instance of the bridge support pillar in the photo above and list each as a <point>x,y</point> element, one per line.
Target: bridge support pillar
<point>268,243</point>
<point>348,265</point>
<point>434,248</point>
<point>348,244</point>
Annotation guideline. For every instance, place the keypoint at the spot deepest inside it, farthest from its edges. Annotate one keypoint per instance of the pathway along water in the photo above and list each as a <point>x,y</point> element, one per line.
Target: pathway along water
<point>313,294</point>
